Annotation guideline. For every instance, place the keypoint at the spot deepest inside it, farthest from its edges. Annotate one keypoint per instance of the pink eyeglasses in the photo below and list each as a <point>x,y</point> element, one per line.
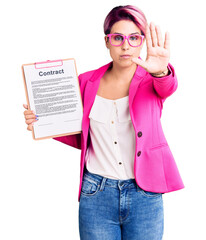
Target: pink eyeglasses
<point>134,40</point>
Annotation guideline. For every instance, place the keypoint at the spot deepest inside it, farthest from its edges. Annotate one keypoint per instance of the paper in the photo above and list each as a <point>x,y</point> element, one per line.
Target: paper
<point>53,93</point>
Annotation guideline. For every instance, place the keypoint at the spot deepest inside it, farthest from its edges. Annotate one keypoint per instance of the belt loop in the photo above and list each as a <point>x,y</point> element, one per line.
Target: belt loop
<point>138,188</point>
<point>102,184</point>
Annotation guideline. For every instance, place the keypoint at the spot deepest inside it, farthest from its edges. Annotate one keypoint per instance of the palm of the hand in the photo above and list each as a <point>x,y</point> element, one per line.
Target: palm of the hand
<point>158,53</point>
<point>157,59</point>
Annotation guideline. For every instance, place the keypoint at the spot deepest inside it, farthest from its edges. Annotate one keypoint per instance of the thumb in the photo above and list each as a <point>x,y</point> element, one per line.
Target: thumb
<point>140,62</point>
<point>25,106</point>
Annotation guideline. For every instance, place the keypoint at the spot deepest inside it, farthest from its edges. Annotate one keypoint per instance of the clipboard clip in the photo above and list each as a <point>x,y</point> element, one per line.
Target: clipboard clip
<point>48,64</point>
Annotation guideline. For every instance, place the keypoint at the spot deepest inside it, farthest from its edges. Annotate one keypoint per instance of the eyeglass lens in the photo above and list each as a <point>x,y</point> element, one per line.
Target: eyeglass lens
<point>117,40</point>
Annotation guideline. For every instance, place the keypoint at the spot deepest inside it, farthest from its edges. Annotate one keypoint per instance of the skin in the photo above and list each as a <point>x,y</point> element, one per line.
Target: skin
<point>30,117</point>
<point>123,68</point>
<point>157,51</point>
<point>158,54</point>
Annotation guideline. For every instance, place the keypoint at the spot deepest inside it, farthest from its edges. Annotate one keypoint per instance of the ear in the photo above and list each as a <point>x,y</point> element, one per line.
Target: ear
<point>106,41</point>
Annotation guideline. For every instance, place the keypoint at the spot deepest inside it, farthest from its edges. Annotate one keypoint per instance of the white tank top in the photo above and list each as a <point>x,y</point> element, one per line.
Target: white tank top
<point>112,148</point>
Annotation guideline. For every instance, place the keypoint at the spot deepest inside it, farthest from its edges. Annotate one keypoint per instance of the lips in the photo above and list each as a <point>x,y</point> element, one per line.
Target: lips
<point>126,55</point>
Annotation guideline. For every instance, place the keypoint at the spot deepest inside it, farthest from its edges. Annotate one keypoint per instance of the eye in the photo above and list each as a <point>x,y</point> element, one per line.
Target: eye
<point>118,38</point>
<point>134,37</point>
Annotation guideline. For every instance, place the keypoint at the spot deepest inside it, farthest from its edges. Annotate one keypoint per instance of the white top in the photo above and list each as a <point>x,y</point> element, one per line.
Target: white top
<point>112,148</point>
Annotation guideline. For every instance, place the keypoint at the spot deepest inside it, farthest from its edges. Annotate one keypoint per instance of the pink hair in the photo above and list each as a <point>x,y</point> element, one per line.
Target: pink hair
<point>127,12</point>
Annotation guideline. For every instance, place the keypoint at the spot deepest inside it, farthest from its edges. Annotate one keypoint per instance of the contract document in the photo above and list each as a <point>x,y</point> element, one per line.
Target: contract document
<point>53,93</point>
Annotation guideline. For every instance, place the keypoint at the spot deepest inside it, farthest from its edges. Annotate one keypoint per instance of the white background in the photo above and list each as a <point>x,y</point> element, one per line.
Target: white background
<point>39,180</point>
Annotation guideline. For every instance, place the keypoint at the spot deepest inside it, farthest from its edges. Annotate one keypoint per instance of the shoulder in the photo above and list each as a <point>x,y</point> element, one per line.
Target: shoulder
<point>84,77</point>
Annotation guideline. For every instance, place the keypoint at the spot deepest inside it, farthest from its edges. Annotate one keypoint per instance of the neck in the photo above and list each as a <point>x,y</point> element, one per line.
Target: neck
<point>122,74</point>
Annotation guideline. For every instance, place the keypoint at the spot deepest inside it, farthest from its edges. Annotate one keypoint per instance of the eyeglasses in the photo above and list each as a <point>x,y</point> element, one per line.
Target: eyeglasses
<point>134,40</point>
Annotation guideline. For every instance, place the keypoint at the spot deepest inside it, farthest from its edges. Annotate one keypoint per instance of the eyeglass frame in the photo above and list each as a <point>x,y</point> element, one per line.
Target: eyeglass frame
<point>124,38</point>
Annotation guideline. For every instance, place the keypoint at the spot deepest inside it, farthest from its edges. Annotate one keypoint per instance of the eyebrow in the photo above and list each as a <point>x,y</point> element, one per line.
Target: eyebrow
<point>129,34</point>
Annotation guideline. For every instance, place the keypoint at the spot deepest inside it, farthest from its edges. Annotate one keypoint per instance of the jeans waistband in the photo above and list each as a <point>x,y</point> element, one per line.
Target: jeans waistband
<point>102,181</point>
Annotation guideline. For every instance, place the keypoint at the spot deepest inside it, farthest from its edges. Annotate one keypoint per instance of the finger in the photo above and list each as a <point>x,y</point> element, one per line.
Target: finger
<point>153,34</point>
<point>30,127</point>
<point>167,41</point>
<point>31,116</point>
<point>139,62</point>
<point>29,121</point>
<point>25,106</point>
<point>148,37</point>
<point>28,112</point>
<point>159,36</point>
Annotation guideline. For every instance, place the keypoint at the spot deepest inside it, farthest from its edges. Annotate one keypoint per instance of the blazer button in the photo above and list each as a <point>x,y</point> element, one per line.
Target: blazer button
<point>139,134</point>
<point>139,153</point>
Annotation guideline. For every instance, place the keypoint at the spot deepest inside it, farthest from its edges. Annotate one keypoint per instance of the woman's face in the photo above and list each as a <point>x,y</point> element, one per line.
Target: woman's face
<point>125,27</point>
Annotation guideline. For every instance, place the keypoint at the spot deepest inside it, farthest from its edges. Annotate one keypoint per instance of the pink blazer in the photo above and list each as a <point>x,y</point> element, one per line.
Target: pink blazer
<point>155,169</point>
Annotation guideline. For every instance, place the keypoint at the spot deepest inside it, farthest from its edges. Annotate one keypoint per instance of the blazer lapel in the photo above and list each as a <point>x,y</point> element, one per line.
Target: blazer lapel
<point>92,86</point>
<point>90,92</point>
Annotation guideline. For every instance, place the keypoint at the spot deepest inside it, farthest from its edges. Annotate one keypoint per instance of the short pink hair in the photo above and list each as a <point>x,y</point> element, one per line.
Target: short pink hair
<point>127,12</point>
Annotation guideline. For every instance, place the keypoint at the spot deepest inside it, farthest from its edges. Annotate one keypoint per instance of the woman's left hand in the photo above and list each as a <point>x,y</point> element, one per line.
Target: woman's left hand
<point>158,53</point>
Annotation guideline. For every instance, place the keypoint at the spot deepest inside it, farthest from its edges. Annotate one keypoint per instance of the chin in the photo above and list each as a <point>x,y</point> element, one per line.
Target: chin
<point>125,63</point>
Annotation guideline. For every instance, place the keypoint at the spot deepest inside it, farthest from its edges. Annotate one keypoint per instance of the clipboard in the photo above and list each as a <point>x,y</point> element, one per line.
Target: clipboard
<point>53,92</point>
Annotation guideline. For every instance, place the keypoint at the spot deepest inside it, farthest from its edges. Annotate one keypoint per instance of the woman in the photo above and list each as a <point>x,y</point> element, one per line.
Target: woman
<point>126,163</point>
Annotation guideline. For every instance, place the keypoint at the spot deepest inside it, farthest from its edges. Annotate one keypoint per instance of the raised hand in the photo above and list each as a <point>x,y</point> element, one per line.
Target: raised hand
<point>158,52</point>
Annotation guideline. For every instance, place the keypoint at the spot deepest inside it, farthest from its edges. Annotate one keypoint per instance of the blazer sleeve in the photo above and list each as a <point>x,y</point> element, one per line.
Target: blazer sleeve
<point>167,85</point>
<point>72,140</point>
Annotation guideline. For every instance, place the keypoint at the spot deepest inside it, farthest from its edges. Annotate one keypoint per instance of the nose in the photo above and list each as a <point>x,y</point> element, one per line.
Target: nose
<point>125,45</point>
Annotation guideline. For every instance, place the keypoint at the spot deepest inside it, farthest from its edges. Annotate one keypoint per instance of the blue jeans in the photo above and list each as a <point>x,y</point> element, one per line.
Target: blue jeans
<point>118,210</point>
